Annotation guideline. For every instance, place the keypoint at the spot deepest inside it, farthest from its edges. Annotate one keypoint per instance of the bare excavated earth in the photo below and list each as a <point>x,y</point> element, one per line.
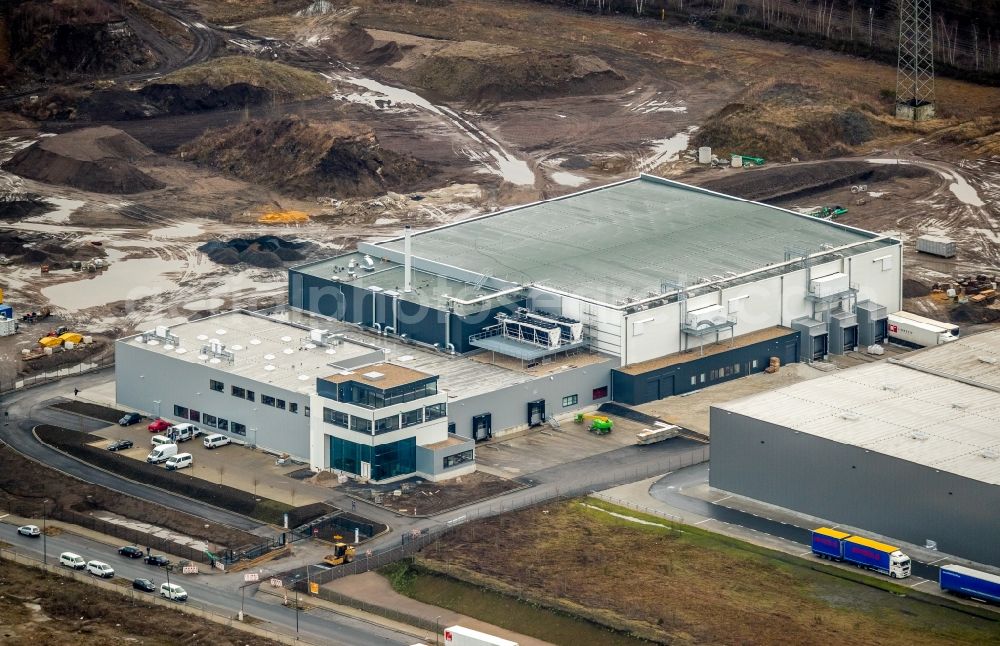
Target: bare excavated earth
<point>101,160</point>
<point>305,158</point>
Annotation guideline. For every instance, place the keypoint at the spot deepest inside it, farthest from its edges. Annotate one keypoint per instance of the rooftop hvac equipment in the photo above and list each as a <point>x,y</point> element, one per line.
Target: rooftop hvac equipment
<point>829,285</point>
<point>161,333</point>
<point>706,317</point>
<point>217,349</point>
<point>369,264</point>
<point>571,330</point>
<point>523,328</point>
<point>324,338</point>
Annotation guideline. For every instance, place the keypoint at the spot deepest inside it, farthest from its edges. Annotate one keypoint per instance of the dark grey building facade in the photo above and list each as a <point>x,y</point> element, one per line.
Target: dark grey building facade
<point>847,484</point>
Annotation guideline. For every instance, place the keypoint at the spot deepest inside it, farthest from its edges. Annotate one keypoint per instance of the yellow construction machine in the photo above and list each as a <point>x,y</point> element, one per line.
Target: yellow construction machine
<point>342,553</point>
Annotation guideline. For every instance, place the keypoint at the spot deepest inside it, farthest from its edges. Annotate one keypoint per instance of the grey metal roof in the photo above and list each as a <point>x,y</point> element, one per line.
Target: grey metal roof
<point>925,408</point>
<point>627,239</point>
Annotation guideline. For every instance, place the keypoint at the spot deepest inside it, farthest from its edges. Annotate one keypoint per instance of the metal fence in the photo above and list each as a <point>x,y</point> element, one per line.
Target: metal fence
<point>193,608</point>
<point>27,381</point>
<point>413,542</point>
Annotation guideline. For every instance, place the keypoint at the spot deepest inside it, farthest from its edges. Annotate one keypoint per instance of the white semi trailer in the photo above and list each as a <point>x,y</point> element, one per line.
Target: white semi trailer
<point>458,636</point>
<point>919,331</point>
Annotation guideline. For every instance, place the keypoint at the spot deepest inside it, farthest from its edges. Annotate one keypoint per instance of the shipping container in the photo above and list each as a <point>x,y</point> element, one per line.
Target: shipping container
<point>936,245</point>
<point>458,636</point>
<point>970,583</point>
<point>918,331</point>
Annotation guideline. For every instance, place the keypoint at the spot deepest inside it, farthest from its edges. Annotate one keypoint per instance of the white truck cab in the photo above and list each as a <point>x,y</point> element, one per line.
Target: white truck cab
<point>899,565</point>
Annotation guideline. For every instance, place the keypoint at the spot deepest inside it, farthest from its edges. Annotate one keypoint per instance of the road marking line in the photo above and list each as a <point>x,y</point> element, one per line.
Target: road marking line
<point>805,553</point>
<point>723,498</point>
<point>4,516</point>
<point>920,583</point>
<point>943,558</point>
<point>704,521</point>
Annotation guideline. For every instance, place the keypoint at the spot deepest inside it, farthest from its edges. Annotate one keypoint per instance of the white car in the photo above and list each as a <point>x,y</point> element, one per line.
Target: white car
<point>29,530</point>
<point>173,592</point>
<point>214,440</point>
<point>101,569</point>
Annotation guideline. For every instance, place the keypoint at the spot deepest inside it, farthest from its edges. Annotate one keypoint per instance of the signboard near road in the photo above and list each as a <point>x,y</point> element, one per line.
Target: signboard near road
<point>251,577</point>
<point>276,583</point>
<point>189,569</point>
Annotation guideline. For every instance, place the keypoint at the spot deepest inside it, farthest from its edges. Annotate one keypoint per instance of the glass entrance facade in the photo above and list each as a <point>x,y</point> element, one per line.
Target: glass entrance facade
<point>385,460</point>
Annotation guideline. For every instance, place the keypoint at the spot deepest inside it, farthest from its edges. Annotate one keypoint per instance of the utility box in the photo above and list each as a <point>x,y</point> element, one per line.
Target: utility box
<point>7,326</point>
<point>829,285</point>
<point>843,332</point>
<point>813,339</point>
<point>873,323</point>
<point>936,246</point>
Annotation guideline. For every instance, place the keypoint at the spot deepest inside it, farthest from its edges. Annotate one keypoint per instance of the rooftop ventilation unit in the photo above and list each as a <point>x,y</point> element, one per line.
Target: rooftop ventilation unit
<point>989,454</point>
<point>959,405</point>
<point>570,329</point>
<point>217,350</point>
<point>374,375</point>
<point>919,435</point>
<point>850,417</point>
<point>369,264</point>
<point>989,360</point>
<point>323,338</point>
<point>161,333</point>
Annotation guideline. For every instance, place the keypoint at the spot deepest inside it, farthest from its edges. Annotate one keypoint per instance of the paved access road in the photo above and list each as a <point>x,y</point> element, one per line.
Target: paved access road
<point>214,593</point>
<point>668,490</point>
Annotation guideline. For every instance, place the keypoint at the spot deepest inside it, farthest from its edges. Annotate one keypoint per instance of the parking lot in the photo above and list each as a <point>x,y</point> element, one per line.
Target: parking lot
<point>551,446</point>
<point>233,465</point>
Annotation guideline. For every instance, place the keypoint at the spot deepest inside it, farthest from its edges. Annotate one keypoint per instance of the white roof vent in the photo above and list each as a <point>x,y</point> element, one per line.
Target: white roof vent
<point>989,454</point>
<point>152,342</point>
<point>168,346</point>
<point>202,337</point>
<point>254,341</point>
<point>269,367</point>
<point>850,417</point>
<point>310,346</point>
<point>269,357</point>
<point>892,387</point>
<point>181,350</point>
<point>215,360</point>
<point>203,357</point>
<point>331,351</point>
<point>220,331</point>
<point>303,377</point>
<point>286,338</point>
<point>405,357</point>
<point>989,360</point>
<point>959,405</point>
<point>374,375</point>
<point>288,351</point>
<point>919,435</point>
<point>236,347</point>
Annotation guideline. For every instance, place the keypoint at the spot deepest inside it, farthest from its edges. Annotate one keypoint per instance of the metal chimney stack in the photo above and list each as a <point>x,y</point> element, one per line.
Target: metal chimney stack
<point>407,260</point>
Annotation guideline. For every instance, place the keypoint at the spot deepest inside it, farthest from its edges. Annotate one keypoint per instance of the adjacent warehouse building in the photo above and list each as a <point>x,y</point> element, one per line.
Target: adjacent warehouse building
<point>906,448</point>
<point>647,268</point>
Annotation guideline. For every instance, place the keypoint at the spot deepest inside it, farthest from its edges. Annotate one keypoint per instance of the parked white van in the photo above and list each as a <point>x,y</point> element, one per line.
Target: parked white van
<point>180,461</point>
<point>160,440</point>
<point>161,453</point>
<point>182,432</point>
<point>75,561</point>
<point>101,569</point>
<point>214,440</point>
<point>173,592</point>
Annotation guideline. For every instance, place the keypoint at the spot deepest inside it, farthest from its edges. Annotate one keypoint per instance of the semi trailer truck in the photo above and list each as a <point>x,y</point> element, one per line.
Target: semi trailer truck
<point>458,636</point>
<point>919,331</point>
<point>967,582</point>
<point>860,551</point>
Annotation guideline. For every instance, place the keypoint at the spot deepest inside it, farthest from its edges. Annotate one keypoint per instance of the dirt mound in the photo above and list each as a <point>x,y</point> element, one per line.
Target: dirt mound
<point>22,208</point>
<point>265,251</point>
<point>914,288</point>
<point>472,71</point>
<point>94,159</point>
<point>973,313</point>
<point>167,99</point>
<point>59,39</point>
<point>797,181</point>
<point>281,81</point>
<point>304,158</point>
<point>780,120</point>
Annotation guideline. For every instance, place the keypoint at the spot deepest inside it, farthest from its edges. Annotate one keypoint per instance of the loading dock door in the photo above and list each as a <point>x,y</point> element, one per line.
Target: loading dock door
<point>881,331</point>
<point>482,427</point>
<point>536,412</point>
<point>820,344</point>
<point>850,338</point>
<point>652,390</point>
<point>791,352</point>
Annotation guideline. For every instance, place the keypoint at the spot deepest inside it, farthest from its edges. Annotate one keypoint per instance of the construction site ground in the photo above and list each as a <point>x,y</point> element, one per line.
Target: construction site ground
<point>652,87</point>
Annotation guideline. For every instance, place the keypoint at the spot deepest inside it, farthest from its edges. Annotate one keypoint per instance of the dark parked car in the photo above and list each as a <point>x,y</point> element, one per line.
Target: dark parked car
<point>131,551</point>
<point>157,560</point>
<point>143,584</point>
<point>130,419</point>
<point>120,445</point>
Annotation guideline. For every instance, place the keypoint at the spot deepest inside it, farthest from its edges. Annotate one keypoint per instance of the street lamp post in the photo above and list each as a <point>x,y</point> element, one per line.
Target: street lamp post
<point>169,567</point>
<point>437,630</point>
<point>296,587</point>
<point>45,543</point>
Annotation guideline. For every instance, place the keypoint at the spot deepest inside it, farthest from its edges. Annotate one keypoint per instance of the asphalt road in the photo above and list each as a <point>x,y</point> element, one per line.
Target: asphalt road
<point>667,490</point>
<point>215,593</point>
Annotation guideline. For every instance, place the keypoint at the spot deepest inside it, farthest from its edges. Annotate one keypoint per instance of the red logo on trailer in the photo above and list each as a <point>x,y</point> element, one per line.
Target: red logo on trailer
<point>447,635</point>
<point>893,327</point>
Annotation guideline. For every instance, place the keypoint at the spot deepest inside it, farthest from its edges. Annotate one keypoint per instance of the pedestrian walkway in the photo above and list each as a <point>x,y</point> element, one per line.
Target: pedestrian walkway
<point>374,589</point>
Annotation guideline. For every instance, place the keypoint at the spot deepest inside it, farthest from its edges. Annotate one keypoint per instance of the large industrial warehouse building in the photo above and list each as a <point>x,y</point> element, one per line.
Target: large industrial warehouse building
<point>905,448</point>
<point>631,292</point>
